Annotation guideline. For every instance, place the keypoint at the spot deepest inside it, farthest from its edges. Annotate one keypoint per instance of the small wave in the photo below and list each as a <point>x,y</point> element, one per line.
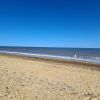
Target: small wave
<point>83,59</point>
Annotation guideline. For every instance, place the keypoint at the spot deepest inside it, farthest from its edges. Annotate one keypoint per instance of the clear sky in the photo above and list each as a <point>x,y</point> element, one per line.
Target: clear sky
<point>50,23</point>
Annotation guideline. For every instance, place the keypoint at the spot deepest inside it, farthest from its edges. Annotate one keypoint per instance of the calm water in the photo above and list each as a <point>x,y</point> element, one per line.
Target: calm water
<point>84,54</point>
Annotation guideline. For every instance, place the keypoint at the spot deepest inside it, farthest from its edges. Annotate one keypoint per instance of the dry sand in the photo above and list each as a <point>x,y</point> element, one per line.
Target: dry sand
<point>35,79</point>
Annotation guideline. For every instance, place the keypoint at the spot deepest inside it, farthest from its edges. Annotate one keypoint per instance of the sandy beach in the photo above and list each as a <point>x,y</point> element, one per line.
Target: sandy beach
<point>36,79</point>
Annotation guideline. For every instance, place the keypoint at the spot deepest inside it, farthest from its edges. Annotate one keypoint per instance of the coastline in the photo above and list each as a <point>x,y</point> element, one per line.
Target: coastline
<point>90,65</point>
<point>26,78</point>
<point>52,57</point>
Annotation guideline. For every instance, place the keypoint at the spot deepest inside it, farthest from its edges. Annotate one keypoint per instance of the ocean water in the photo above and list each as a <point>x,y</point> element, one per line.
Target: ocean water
<point>78,54</point>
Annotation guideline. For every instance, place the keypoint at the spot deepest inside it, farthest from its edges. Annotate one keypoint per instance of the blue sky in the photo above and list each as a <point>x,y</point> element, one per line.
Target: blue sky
<point>50,23</point>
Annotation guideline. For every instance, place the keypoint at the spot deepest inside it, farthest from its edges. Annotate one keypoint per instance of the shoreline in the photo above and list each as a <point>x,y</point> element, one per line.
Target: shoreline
<point>87,65</point>
<point>52,57</point>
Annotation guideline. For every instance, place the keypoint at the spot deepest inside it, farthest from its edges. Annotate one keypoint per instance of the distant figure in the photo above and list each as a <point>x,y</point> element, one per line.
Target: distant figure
<point>75,56</point>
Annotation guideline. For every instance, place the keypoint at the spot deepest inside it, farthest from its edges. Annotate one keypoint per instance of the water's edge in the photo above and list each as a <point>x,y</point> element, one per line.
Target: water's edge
<point>53,57</point>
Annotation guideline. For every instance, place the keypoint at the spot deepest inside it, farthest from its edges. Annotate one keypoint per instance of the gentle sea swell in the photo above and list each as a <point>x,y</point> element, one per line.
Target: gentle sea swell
<point>82,59</point>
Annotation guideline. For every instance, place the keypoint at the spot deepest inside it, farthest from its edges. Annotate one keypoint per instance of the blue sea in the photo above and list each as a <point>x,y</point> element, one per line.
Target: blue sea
<point>78,54</point>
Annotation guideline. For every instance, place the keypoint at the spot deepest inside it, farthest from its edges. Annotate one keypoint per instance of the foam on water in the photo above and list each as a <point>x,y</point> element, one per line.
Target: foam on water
<point>75,58</point>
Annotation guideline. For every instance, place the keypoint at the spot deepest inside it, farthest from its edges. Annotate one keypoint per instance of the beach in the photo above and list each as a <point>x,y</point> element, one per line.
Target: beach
<point>23,78</point>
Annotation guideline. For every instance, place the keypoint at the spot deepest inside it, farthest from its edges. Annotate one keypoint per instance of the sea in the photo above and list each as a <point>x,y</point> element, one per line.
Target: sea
<point>77,54</point>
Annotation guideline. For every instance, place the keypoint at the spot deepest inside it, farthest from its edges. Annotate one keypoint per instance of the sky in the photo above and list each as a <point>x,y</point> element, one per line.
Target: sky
<point>50,23</point>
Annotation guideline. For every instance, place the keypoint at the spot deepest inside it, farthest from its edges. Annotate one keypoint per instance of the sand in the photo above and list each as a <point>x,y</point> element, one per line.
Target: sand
<point>36,79</point>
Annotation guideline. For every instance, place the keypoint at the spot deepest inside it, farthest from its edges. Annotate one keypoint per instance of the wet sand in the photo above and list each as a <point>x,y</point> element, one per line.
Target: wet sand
<point>36,79</point>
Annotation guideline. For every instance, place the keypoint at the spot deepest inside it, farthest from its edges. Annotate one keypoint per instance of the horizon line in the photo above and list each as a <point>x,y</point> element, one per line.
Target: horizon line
<point>50,47</point>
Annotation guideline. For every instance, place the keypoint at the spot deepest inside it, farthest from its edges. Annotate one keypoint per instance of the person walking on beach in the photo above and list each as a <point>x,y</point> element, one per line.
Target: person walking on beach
<point>75,56</point>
